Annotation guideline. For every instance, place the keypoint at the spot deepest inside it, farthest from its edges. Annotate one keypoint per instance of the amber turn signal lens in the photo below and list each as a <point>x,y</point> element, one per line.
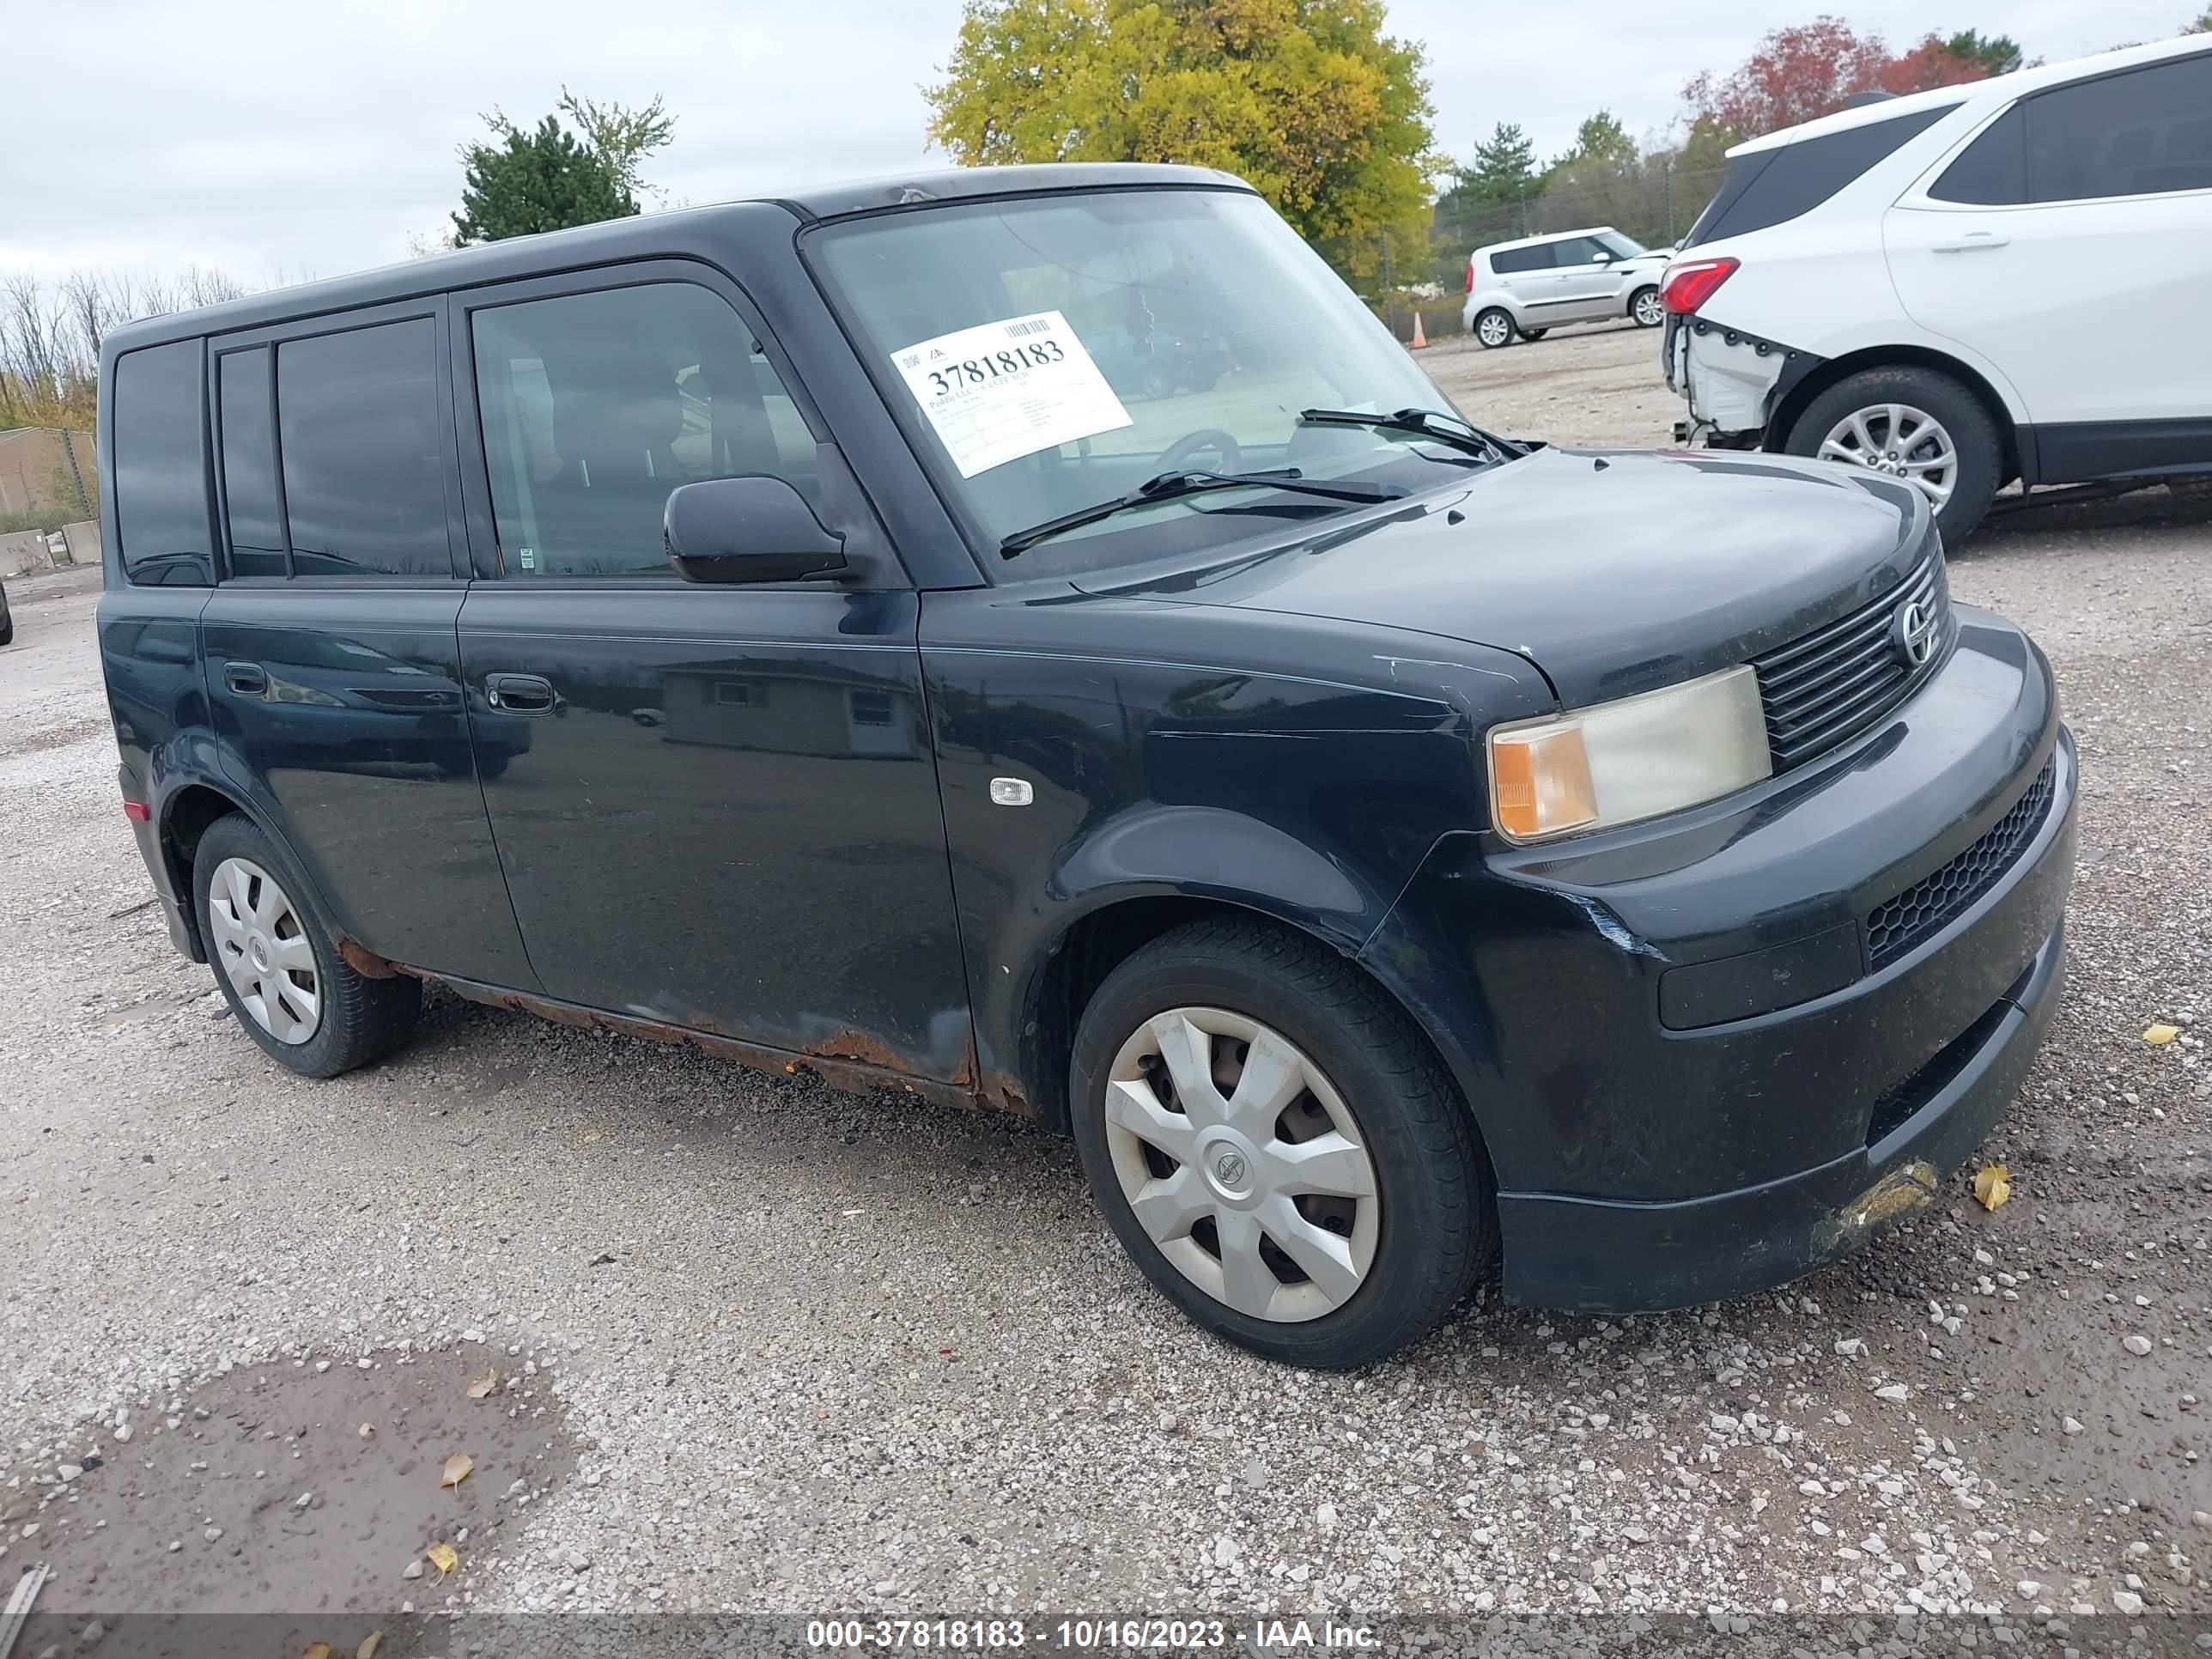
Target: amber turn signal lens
<point>1540,779</point>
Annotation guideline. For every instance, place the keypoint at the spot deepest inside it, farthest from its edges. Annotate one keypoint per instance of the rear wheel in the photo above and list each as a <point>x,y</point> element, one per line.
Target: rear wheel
<point>1643,306</point>
<point>1915,424</point>
<point>1494,328</point>
<point>1276,1147</point>
<point>1534,333</point>
<point>277,965</point>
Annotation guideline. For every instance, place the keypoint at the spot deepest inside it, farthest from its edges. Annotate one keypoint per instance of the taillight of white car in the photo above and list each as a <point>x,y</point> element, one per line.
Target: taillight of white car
<point>1470,276</point>
<point>1689,285</point>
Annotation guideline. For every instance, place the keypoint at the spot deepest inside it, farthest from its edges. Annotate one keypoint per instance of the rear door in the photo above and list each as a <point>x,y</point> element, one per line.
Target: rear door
<point>333,666</point>
<point>717,807</point>
<point>2070,242</point>
<point>1527,275</point>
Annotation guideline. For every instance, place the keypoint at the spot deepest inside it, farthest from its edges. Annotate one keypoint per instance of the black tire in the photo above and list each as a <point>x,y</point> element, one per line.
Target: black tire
<point>1974,436</point>
<point>1435,1225</point>
<point>8,632</point>
<point>361,1018</point>
<point>1534,333</point>
<point>1500,314</point>
<point>1644,316</point>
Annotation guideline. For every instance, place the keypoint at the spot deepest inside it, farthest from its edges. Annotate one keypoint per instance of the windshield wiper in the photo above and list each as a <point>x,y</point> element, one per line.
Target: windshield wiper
<point>1168,486</point>
<point>1423,422</point>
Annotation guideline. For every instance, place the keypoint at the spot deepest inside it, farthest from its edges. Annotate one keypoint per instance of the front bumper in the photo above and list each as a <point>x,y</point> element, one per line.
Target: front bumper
<point>1653,1149</point>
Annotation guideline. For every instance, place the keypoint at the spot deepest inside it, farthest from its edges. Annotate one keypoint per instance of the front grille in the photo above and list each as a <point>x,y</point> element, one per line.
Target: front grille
<point>1826,687</point>
<point>1899,924</point>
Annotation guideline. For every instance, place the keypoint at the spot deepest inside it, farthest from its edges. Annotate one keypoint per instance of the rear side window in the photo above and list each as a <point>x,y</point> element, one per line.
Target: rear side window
<point>363,470</point>
<point>1772,187</point>
<point>1993,170</point>
<point>1508,261</point>
<point>248,425</point>
<point>160,468</point>
<point>2143,133</point>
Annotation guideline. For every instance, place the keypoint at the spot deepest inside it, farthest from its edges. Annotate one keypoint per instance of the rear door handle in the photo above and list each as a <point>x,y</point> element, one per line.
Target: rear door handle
<point>1973,241</point>
<point>247,679</point>
<point>520,694</point>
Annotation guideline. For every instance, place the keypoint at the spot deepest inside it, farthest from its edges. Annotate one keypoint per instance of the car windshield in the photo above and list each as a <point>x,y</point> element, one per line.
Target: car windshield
<point>1620,247</point>
<point>1051,353</point>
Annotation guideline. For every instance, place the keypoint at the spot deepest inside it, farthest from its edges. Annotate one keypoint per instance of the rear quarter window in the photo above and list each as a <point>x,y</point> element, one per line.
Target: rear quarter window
<point>1770,187</point>
<point>160,466</point>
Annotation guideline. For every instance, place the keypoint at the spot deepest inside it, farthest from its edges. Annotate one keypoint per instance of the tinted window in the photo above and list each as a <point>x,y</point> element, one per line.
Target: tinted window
<point>596,405</point>
<point>2137,134</point>
<point>1507,261</point>
<point>160,473</point>
<point>1772,187</point>
<point>1991,170</point>
<point>363,470</point>
<point>249,463</point>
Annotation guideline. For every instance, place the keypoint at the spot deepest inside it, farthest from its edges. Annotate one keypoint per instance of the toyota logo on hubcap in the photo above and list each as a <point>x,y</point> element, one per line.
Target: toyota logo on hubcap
<point>1913,632</point>
<point>1228,1169</point>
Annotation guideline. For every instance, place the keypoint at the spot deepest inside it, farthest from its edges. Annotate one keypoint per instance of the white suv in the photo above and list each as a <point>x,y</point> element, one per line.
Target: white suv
<point>2004,280</point>
<point>1527,287</point>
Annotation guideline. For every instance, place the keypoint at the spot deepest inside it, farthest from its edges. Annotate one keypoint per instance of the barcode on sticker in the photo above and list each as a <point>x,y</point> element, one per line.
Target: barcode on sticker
<point>1029,326</point>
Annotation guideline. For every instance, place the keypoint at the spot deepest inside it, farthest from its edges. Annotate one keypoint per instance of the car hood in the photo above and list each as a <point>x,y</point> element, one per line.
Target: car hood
<point>1614,572</point>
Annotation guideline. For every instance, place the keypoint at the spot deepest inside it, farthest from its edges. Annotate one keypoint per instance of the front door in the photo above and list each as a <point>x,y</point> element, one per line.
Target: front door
<point>333,673</point>
<point>1586,282</point>
<point>717,807</point>
<point>2068,244</point>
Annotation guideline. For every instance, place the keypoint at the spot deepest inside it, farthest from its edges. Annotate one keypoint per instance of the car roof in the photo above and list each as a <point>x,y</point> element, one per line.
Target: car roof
<point>648,235</point>
<point>1548,236</point>
<point>1998,88</point>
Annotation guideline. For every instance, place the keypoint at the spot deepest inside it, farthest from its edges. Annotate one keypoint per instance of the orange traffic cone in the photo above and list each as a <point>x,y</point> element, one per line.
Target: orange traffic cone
<point>1419,338</point>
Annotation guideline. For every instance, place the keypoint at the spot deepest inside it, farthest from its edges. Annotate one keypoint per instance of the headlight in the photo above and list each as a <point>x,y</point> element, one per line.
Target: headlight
<point>1616,762</point>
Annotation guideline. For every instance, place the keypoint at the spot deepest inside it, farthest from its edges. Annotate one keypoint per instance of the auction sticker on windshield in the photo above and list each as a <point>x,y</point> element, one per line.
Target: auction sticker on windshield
<point>1000,391</point>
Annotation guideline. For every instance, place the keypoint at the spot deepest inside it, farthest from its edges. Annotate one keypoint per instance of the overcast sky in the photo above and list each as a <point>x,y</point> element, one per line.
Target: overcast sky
<point>292,139</point>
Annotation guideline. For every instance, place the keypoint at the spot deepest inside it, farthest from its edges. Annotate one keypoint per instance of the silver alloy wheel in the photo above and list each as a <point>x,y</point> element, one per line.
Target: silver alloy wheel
<point>1242,1162</point>
<point>1650,312</point>
<point>1903,441</point>
<point>261,945</point>
<point>1493,329</point>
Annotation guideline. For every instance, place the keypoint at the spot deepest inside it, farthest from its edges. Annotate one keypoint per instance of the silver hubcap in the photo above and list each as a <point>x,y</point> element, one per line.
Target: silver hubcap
<point>1492,330</point>
<point>1901,440</point>
<point>1241,1161</point>
<point>264,950</point>
<point>1649,311</point>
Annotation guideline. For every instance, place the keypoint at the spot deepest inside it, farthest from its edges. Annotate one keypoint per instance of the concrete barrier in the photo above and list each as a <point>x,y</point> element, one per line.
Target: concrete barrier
<point>22,551</point>
<point>83,539</point>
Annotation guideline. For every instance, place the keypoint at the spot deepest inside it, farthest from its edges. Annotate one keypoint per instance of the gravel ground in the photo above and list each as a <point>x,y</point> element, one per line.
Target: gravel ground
<point>788,1350</point>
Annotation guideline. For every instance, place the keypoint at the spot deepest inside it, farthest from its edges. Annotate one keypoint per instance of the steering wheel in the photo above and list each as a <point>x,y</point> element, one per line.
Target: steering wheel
<point>1176,456</point>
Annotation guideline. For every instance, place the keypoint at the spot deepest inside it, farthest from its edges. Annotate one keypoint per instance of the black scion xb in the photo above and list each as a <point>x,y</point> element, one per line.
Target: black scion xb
<point>1031,638</point>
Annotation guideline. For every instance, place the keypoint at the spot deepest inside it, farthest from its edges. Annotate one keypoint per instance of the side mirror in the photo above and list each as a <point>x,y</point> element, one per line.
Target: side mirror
<point>747,530</point>
<point>1603,258</point>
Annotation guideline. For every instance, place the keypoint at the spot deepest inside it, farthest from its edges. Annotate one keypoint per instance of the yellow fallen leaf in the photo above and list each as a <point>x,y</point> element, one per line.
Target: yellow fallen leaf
<point>1993,1185</point>
<point>481,1386</point>
<point>369,1645</point>
<point>317,1651</point>
<point>457,1469</point>
<point>443,1557</point>
<point>2160,1032</point>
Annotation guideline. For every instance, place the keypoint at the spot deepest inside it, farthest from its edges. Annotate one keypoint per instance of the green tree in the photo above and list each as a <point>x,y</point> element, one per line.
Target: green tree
<point>2203,24</point>
<point>1505,167</point>
<point>1997,54</point>
<point>1307,100</point>
<point>1600,138</point>
<point>546,178</point>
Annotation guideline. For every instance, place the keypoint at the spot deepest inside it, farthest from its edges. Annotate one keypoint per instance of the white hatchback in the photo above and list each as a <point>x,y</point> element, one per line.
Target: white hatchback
<point>1527,287</point>
<point>2006,280</point>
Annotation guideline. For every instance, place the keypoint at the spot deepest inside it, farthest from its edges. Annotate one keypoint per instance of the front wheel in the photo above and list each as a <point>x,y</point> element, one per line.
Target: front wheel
<point>1276,1147</point>
<point>1494,328</point>
<point>1644,307</point>
<point>1918,425</point>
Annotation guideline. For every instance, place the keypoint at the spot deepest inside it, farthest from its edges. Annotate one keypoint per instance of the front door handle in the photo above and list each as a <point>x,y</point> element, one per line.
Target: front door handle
<point>520,694</point>
<point>1972,242</point>
<point>247,679</point>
